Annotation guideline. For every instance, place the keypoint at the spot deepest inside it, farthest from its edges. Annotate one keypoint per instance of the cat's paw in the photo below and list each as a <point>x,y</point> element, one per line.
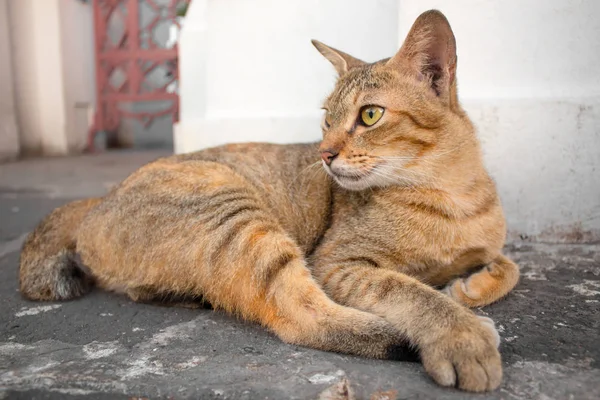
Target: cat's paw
<point>489,324</point>
<point>466,356</point>
<point>466,291</point>
<point>476,290</point>
<point>485,286</point>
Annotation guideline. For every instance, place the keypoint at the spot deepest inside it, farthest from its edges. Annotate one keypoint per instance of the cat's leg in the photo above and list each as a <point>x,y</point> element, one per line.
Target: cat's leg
<point>487,285</point>
<point>456,347</point>
<point>303,314</point>
<point>277,290</point>
<point>200,230</point>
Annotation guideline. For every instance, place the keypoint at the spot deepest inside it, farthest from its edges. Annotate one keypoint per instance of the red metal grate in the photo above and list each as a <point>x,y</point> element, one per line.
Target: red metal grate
<point>127,55</point>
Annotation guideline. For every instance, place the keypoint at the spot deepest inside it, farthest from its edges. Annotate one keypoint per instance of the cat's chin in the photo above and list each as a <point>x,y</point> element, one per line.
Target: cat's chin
<point>350,182</point>
<point>353,184</point>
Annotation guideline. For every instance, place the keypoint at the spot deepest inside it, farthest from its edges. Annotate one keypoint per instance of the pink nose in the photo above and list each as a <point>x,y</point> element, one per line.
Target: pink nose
<point>328,155</point>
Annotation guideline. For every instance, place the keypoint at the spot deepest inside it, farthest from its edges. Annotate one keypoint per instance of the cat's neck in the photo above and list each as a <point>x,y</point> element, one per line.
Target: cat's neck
<point>459,187</point>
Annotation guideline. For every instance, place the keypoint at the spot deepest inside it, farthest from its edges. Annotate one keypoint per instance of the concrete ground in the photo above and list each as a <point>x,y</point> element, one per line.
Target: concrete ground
<point>104,346</point>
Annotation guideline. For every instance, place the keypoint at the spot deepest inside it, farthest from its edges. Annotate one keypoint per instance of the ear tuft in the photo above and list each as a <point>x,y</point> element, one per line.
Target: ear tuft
<point>341,61</point>
<point>430,50</point>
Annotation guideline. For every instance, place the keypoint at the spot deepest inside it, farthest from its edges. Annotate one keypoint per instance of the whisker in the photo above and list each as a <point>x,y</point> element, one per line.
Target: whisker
<point>309,168</point>
<point>394,178</point>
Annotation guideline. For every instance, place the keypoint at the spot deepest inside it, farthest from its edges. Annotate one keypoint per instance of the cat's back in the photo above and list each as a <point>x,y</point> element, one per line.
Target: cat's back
<point>262,163</point>
<point>288,178</point>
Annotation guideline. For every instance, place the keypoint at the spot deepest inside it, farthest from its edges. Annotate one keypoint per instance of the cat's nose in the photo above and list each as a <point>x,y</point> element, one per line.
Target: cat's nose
<point>328,155</point>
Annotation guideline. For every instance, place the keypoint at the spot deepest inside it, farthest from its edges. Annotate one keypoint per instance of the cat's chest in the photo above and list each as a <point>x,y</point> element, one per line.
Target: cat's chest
<point>413,237</point>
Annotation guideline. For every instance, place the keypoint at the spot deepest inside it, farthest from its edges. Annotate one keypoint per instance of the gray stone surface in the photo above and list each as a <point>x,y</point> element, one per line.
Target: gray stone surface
<point>103,346</point>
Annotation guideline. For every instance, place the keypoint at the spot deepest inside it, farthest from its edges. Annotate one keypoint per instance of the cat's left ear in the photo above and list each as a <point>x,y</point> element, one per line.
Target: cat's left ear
<point>430,51</point>
<point>341,61</point>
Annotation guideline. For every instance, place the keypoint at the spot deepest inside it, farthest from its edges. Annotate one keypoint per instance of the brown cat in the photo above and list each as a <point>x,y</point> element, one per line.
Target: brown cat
<point>410,207</point>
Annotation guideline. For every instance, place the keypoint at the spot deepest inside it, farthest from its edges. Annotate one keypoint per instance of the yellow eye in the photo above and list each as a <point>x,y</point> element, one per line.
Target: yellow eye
<point>371,114</point>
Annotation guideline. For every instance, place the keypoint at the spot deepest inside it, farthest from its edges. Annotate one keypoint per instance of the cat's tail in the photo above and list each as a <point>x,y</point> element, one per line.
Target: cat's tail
<point>48,268</point>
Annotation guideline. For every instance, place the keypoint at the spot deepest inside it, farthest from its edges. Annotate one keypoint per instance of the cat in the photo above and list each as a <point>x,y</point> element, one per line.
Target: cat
<point>339,246</point>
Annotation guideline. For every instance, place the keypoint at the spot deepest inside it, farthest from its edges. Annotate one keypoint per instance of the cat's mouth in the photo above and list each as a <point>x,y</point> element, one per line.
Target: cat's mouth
<point>351,180</point>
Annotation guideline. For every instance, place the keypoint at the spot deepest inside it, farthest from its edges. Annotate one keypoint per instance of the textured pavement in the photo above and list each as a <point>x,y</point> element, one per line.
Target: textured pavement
<point>104,346</point>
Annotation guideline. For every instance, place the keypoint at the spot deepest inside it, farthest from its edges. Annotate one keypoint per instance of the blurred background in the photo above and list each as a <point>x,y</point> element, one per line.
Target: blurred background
<point>91,76</point>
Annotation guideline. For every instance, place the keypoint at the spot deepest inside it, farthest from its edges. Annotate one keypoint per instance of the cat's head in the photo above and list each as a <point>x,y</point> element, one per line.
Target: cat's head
<point>396,121</point>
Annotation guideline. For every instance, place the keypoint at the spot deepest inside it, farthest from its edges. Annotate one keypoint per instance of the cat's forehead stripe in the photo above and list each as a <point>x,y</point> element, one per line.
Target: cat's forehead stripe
<point>351,85</point>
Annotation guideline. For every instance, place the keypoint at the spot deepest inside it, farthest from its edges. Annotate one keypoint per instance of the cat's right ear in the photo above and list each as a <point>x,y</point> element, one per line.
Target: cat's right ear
<point>430,51</point>
<point>341,61</point>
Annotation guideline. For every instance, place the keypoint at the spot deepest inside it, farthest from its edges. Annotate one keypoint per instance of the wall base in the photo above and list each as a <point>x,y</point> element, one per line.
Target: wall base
<point>9,138</point>
<point>545,157</point>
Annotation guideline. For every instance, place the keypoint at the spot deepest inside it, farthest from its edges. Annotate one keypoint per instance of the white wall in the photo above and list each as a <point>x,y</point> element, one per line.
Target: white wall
<point>521,48</point>
<point>9,134</point>
<point>38,76</point>
<point>79,70</point>
<point>52,52</point>
<point>249,72</point>
<point>527,72</point>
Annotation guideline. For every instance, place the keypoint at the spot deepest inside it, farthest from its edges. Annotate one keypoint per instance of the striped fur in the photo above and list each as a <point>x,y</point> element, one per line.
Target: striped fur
<point>345,257</point>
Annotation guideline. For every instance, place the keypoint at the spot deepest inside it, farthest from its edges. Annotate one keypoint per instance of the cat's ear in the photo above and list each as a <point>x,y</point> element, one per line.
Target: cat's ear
<point>341,61</point>
<point>430,51</point>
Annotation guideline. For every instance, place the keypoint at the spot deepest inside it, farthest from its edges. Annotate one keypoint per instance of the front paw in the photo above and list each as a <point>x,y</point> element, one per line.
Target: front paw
<point>486,286</point>
<point>466,356</point>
